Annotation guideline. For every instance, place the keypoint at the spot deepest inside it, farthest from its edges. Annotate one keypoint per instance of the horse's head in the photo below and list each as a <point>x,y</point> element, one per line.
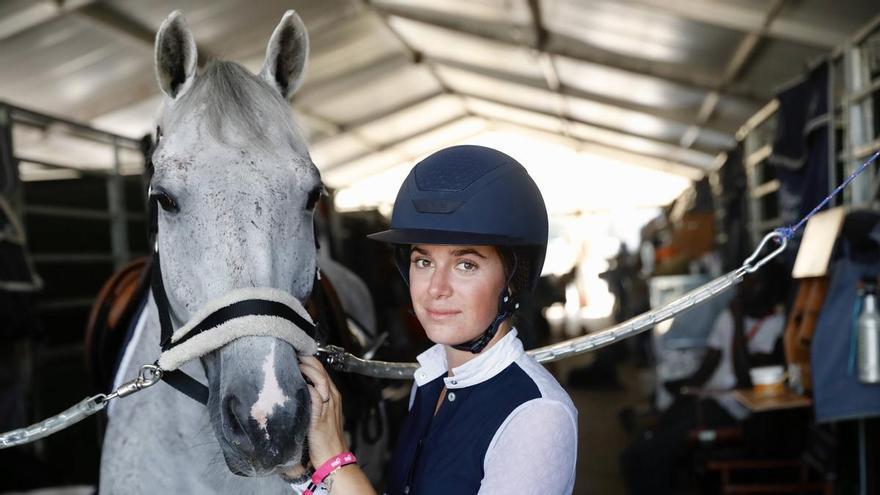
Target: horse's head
<point>237,191</point>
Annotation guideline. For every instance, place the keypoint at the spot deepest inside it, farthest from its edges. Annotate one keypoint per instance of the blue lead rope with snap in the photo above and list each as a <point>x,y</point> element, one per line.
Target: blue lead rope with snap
<point>789,232</point>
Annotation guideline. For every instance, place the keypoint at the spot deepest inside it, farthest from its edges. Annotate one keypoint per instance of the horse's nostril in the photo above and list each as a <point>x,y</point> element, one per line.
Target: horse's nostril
<point>230,404</point>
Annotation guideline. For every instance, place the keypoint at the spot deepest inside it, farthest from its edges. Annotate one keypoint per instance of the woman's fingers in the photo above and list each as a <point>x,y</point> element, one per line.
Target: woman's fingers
<point>323,394</point>
<point>313,370</point>
<point>317,403</point>
<point>313,363</point>
<point>326,437</point>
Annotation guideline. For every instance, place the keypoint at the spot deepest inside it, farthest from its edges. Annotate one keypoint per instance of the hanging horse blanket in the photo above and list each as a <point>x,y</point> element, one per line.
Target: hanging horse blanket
<point>800,147</point>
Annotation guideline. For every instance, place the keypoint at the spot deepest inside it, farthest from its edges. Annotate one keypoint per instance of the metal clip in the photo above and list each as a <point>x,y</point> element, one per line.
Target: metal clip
<point>333,356</point>
<point>148,376</point>
<point>783,243</point>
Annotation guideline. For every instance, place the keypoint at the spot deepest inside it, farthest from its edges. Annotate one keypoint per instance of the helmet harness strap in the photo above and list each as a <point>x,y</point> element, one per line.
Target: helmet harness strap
<point>507,304</point>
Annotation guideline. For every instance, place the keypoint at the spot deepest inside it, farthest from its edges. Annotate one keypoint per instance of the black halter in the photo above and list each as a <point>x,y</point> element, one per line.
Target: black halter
<point>251,307</point>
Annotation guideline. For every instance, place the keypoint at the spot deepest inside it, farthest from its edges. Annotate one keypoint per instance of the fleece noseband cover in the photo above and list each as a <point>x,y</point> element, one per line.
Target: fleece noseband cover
<point>239,313</point>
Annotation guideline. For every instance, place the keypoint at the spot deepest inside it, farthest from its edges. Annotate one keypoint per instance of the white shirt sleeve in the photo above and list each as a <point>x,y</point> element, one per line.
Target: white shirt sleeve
<point>533,452</point>
<point>765,339</point>
<point>722,331</point>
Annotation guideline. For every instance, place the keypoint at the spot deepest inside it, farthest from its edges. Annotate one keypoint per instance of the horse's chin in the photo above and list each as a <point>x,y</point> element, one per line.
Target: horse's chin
<point>294,472</point>
<point>292,469</point>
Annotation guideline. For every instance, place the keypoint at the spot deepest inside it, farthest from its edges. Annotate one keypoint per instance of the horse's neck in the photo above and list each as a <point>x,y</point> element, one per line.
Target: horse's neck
<point>353,293</point>
<point>143,348</point>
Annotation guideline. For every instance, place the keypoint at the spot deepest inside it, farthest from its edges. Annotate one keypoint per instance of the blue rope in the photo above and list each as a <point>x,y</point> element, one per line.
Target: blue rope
<point>788,232</point>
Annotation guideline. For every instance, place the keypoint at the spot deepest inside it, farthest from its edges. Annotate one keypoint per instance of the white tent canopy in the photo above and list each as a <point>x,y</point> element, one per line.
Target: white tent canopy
<point>656,84</point>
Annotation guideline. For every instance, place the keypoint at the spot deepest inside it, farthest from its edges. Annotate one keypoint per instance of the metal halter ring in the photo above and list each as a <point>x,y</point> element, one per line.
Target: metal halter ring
<point>148,376</point>
<point>783,243</point>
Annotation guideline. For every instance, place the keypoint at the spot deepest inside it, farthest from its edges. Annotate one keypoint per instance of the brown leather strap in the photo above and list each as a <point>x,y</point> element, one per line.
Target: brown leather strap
<point>114,305</point>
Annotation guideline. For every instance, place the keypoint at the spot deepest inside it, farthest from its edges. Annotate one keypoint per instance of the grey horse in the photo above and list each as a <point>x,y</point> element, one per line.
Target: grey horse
<point>237,191</point>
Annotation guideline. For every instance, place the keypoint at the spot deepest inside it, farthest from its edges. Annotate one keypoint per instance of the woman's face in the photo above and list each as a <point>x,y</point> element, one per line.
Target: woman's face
<point>455,290</point>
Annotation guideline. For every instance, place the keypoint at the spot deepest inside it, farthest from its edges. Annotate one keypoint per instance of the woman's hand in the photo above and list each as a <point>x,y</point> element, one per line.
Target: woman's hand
<point>326,436</point>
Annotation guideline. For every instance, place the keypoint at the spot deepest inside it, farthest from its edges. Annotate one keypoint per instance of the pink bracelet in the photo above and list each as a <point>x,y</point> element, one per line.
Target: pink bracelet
<point>328,467</point>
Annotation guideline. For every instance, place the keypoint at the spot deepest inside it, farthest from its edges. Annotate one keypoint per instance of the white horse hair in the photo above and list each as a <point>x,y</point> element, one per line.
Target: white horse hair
<point>237,189</point>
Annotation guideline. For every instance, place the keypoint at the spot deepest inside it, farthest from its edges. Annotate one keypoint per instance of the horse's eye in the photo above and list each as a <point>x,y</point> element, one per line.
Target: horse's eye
<point>314,196</point>
<point>165,201</point>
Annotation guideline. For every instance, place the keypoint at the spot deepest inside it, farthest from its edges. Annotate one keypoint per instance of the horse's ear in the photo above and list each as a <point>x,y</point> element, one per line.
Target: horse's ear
<point>286,55</point>
<point>176,55</point>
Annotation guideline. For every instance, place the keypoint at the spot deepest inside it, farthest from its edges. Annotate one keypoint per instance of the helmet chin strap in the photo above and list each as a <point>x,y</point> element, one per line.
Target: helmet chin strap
<point>507,304</point>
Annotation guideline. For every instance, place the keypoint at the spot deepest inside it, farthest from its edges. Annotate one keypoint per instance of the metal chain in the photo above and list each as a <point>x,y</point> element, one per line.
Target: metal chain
<point>148,376</point>
<point>338,359</point>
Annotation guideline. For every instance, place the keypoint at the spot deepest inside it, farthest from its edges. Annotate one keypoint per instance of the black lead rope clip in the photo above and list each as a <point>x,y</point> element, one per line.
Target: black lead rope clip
<point>332,356</point>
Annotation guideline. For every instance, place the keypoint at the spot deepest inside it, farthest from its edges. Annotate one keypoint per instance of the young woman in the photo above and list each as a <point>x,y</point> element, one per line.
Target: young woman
<point>469,230</point>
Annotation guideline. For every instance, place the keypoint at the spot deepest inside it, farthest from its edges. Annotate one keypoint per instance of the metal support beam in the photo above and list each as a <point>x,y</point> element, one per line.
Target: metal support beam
<point>545,61</point>
<point>410,155</point>
<point>354,76</point>
<point>107,17</point>
<point>120,25</point>
<point>690,170</point>
<point>746,48</point>
<point>396,142</point>
<point>65,258</point>
<point>574,120</point>
<point>675,116</point>
<point>640,159</point>
<point>30,118</point>
<point>81,172</point>
<point>355,125</point>
<point>740,58</point>
<point>585,53</point>
<point>738,16</point>
<point>116,205</point>
<point>19,17</point>
<point>76,213</point>
<point>414,55</point>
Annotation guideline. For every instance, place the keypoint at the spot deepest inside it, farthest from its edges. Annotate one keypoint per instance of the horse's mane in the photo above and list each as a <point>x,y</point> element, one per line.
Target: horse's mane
<point>239,107</point>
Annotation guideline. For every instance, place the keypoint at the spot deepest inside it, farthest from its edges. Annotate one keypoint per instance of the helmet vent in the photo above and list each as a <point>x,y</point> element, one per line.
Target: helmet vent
<point>436,205</point>
<point>458,172</point>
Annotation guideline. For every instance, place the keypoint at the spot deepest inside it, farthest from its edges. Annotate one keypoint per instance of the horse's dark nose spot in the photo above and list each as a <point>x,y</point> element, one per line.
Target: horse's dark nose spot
<point>234,422</point>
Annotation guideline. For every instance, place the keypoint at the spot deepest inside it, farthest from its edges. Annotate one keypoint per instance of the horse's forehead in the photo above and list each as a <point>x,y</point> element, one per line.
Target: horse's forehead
<point>198,155</point>
<point>193,141</point>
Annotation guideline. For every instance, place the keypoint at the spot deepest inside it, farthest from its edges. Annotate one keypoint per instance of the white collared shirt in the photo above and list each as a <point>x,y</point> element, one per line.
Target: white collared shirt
<point>535,448</point>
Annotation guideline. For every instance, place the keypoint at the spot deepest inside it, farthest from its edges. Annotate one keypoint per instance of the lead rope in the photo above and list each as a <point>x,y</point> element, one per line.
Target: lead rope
<point>340,360</point>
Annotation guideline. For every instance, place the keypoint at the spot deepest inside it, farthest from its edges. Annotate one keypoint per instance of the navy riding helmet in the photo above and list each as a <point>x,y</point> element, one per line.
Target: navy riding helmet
<point>473,195</point>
